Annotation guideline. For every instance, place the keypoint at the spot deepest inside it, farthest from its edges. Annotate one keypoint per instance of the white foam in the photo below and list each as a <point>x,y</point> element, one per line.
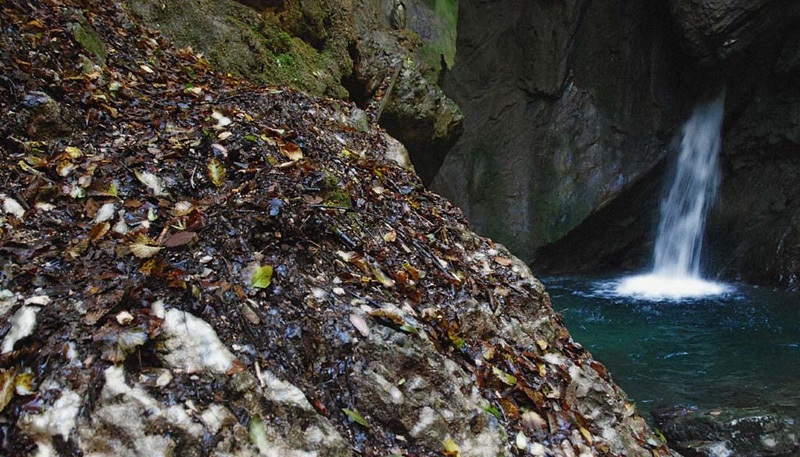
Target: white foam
<point>658,287</point>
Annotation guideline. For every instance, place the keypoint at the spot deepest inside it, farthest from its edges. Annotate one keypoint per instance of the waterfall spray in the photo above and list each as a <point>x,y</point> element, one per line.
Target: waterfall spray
<point>679,243</point>
<point>683,214</point>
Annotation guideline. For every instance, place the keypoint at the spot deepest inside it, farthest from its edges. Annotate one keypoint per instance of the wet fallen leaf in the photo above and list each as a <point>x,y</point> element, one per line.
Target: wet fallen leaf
<point>105,212</point>
<point>99,230</point>
<point>509,408</point>
<point>73,152</point>
<point>179,239</point>
<point>7,386</point>
<point>12,207</point>
<point>504,377</point>
<point>236,367</point>
<point>262,277</point>
<point>153,182</point>
<point>292,151</point>
<point>409,329</point>
<point>182,208</point>
<point>216,171</point>
<point>64,168</point>
<point>249,314</point>
<point>503,261</point>
<point>587,435</point>
<point>258,434</point>
<point>360,324</point>
<point>143,250</point>
<point>381,277</point>
<point>124,318</point>
<point>389,315</point>
<point>222,120</point>
<point>358,418</point>
<point>390,236</point>
<point>494,412</point>
<point>119,342</point>
<point>450,448</point>
<point>415,273</point>
<point>23,384</point>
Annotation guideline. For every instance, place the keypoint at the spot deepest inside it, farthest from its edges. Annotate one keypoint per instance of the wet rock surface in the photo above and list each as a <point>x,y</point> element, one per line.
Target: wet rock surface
<point>566,106</point>
<point>567,167</point>
<point>694,432</point>
<point>208,267</point>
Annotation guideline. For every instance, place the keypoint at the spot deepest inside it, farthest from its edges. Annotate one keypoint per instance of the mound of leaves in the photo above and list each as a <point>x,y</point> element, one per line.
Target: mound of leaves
<point>133,174</point>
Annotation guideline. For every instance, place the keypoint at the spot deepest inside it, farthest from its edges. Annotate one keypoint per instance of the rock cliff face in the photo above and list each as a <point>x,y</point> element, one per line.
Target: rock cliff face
<point>566,104</point>
<point>569,121</point>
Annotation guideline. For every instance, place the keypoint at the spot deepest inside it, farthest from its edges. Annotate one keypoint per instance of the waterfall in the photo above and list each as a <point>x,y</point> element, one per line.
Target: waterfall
<point>683,214</point>
<point>679,242</point>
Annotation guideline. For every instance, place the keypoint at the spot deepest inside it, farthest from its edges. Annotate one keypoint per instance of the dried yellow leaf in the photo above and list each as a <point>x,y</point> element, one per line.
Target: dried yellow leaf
<point>144,251</point>
<point>7,386</point>
<point>292,151</point>
<point>216,171</point>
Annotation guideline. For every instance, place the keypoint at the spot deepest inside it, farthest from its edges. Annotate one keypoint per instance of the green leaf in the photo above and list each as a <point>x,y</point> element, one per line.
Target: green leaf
<point>258,434</point>
<point>251,138</point>
<point>358,418</point>
<point>494,412</point>
<point>504,377</point>
<point>409,329</point>
<point>262,277</point>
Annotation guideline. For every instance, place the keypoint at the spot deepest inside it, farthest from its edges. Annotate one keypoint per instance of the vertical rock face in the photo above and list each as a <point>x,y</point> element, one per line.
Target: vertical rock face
<point>754,232</point>
<point>571,108</point>
<point>566,105</point>
<point>715,30</point>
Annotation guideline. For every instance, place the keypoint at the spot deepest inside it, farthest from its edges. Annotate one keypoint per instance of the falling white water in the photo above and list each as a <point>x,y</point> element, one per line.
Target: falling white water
<point>679,243</point>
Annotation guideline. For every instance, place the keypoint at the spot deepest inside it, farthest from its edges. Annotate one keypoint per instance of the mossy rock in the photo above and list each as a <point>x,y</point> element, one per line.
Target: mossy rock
<point>84,34</point>
<point>263,47</point>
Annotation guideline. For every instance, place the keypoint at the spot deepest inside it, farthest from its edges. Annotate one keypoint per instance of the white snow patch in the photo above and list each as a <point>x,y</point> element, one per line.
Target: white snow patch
<point>106,212</point>
<point>193,345</point>
<point>22,324</point>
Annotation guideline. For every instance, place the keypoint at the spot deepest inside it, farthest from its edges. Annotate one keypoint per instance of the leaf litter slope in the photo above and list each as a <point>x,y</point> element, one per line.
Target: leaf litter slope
<point>262,211</point>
